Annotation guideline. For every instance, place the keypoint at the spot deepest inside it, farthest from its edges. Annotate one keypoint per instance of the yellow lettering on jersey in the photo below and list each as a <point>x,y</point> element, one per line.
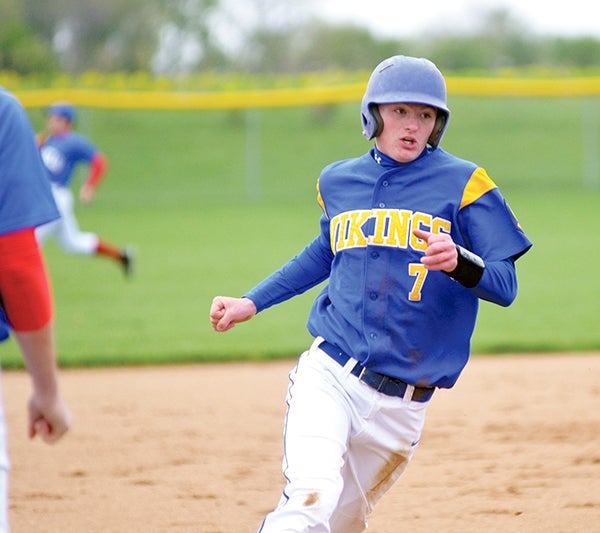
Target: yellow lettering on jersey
<point>338,231</point>
<point>390,227</point>
<point>355,236</point>
<point>381,216</point>
<point>420,221</point>
<point>334,228</point>
<point>419,272</point>
<point>439,225</point>
<point>398,228</point>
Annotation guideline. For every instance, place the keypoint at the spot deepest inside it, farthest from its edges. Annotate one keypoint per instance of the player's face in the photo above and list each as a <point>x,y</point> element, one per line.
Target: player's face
<point>56,124</point>
<point>406,129</point>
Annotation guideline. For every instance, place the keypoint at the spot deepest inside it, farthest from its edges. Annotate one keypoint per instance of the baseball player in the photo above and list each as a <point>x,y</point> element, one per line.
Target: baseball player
<point>62,149</point>
<point>411,238</point>
<point>25,298</point>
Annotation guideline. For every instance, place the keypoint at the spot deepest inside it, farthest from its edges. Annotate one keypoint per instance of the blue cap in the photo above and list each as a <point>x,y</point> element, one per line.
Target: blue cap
<point>62,109</point>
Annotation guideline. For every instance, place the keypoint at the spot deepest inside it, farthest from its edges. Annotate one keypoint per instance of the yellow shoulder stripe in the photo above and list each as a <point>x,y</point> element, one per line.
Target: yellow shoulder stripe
<point>479,183</point>
<point>320,200</point>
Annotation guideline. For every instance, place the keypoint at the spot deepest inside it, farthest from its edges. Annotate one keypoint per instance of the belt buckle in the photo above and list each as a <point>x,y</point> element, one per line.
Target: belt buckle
<point>376,384</point>
<point>383,381</point>
<point>362,373</point>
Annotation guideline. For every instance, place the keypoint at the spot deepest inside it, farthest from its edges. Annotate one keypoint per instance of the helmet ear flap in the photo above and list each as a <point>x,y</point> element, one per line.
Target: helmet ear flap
<point>374,109</point>
<point>438,129</point>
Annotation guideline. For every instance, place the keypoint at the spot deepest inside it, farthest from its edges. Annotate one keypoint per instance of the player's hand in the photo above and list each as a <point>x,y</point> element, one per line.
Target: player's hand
<point>49,418</point>
<point>86,194</point>
<point>226,312</point>
<point>441,251</point>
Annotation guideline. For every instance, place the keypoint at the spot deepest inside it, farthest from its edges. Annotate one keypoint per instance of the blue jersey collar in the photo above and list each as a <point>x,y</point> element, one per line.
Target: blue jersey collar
<point>387,162</point>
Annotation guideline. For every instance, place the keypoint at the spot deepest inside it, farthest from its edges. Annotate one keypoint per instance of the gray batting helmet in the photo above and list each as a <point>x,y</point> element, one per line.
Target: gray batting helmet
<point>403,79</point>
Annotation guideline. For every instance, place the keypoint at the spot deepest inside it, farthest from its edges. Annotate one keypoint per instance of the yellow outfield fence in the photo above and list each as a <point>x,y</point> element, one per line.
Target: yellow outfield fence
<point>307,96</point>
<point>193,100</point>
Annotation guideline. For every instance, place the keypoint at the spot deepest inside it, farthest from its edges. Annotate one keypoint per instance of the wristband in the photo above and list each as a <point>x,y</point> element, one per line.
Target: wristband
<point>469,268</point>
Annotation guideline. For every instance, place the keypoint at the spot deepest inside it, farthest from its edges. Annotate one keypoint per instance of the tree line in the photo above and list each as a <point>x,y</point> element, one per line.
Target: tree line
<point>173,37</point>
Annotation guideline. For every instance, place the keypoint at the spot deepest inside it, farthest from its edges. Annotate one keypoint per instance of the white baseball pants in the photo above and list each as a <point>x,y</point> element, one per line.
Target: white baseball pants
<point>4,471</point>
<point>66,229</point>
<point>345,444</point>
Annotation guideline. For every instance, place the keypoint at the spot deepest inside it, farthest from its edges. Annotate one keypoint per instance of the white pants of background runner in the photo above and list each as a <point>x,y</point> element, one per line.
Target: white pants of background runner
<point>66,229</point>
<point>345,444</point>
<point>4,470</point>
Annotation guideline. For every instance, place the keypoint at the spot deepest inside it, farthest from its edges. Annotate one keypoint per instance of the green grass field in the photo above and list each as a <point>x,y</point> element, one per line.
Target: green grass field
<point>214,201</point>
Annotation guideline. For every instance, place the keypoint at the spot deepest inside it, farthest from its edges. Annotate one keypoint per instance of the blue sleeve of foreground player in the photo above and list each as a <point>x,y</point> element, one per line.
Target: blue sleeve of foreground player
<point>498,283</point>
<point>303,272</point>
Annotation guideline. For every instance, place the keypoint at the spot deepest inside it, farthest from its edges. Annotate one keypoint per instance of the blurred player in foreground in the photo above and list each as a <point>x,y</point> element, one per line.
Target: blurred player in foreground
<point>411,238</point>
<point>25,296</point>
<point>62,149</point>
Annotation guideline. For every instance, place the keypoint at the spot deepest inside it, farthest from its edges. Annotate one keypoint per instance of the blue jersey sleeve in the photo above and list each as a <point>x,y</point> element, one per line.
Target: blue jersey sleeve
<point>498,283</point>
<point>303,272</point>
<point>25,196</point>
<point>490,229</point>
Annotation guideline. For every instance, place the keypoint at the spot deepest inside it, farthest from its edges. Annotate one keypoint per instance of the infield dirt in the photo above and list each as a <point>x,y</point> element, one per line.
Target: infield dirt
<point>515,446</point>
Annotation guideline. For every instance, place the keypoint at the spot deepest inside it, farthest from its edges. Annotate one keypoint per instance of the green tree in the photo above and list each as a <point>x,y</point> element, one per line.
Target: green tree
<point>345,47</point>
<point>111,35</point>
<point>186,39</point>
<point>497,41</point>
<point>22,50</point>
<point>275,36</point>
<point>576,52</point>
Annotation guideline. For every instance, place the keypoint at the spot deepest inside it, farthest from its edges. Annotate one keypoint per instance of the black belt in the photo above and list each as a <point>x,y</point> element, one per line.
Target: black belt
<point>381,383</point>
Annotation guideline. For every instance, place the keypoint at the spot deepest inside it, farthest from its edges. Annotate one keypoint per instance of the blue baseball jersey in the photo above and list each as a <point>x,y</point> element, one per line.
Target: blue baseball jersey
<point>25,196</point>
<point>62,153</point>
<point>381,305</point>
<point>4,327</point>
<point>26,200</point>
